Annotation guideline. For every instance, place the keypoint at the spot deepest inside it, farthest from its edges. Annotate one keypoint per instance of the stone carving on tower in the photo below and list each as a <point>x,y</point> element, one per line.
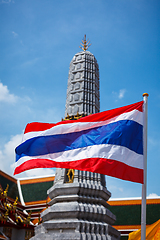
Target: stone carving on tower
<point>78,207</point>
<point>83,84</point>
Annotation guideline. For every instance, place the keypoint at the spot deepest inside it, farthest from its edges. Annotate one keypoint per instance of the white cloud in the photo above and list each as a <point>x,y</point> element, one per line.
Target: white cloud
<point>6,1</point>
<point>113,188</point>
<point>152,195</point>
<point>40,172</point>
<point>7,154</point>
<point>121,93</point>
<point>154,142</point>
<point>30,62</point>
<point>14,34</point>
<point>5,95</point>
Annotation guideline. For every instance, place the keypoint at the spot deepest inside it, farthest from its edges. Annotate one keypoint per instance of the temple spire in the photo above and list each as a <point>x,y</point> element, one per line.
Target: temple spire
<point>85,44</point>
<point>83,97</point>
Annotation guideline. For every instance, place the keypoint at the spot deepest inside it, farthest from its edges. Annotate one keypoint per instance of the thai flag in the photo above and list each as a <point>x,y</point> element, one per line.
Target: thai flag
<point>109,143</point>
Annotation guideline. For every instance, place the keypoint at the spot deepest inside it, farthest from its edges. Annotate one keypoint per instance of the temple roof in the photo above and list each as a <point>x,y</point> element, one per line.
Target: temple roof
<point>12,212</point>
<point>128,213</point>
<point>35,189</point>
<point>31,193</point>
<point>12,182</point>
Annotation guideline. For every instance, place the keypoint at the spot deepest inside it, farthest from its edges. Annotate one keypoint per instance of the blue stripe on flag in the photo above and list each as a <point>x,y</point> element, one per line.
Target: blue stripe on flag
<point>125,133</point>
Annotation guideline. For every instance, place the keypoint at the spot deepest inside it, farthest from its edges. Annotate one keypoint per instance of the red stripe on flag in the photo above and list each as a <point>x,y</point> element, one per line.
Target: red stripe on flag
<point>102,116</point>
<point>36,126</point>
<point>100,165</point>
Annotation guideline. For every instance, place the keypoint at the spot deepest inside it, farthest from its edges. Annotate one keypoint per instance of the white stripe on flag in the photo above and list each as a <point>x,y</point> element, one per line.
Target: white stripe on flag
<point>134,115</point>
<point>108,151</point>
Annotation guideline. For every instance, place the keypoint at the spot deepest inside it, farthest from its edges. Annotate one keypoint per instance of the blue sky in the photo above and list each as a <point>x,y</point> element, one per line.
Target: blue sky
<point>38,40</point>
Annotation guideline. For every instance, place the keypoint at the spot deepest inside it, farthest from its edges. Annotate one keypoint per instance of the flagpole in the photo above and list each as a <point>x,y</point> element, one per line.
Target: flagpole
<point>143,205</point>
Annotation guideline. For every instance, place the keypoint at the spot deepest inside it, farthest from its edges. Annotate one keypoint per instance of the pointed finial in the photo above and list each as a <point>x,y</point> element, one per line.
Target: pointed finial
<point>85,44</point>
<point>145,94</point>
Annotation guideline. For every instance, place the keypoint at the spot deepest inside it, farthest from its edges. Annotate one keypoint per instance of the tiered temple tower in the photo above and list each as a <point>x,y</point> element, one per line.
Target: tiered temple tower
<point>83,85</point>
<point>78,207</point>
